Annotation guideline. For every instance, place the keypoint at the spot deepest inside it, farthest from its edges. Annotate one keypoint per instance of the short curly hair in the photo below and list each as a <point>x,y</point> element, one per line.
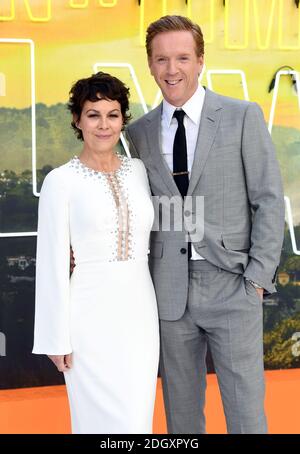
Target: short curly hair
<point>89,89</point>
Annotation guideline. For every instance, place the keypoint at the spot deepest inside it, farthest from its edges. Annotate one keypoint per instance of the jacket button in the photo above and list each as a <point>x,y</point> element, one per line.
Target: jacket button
<point>183,250</point>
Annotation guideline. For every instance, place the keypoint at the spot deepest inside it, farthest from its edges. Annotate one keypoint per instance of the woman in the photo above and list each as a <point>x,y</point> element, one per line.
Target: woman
<point>100,327</point>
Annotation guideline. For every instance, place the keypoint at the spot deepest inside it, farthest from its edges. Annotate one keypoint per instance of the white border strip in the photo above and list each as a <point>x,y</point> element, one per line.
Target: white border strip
<point>2,84</point>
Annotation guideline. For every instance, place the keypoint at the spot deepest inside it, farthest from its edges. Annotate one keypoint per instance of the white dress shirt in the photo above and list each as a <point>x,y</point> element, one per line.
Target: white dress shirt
<point>192,109</point>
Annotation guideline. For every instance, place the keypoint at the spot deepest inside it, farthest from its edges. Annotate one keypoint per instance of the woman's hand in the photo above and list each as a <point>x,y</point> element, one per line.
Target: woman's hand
<point>62,362</point>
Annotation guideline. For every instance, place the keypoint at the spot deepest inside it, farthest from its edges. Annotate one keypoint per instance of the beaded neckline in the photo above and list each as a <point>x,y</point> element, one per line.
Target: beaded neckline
<point>76,161</point>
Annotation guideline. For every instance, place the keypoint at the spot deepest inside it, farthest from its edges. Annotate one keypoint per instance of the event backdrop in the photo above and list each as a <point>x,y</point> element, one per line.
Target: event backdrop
<point>45,45</point>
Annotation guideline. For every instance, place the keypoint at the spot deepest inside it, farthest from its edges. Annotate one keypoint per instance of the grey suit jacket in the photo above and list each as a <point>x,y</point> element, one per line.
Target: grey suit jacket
<point>236,170</point>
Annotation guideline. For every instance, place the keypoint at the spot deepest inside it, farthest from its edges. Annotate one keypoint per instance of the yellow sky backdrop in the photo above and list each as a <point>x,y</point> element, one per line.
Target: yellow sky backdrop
<point>67,46</point>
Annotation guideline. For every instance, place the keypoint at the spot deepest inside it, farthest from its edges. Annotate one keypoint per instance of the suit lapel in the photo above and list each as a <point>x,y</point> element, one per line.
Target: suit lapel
<point>153,132</point>
<point>210,118</point>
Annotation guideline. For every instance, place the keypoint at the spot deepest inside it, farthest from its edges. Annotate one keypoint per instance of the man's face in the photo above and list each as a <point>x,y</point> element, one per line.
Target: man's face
<point>175,65</point>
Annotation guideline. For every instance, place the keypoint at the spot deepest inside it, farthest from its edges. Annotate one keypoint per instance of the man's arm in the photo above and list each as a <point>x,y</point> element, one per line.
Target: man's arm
<point>266,199</point>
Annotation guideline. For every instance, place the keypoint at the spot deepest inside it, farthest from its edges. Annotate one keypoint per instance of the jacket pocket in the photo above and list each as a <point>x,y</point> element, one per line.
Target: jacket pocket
<point>236,241</point>
<point>156,249</point>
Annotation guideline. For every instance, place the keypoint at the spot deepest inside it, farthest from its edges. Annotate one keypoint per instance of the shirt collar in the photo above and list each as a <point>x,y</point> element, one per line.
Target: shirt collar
<point>192,107</point>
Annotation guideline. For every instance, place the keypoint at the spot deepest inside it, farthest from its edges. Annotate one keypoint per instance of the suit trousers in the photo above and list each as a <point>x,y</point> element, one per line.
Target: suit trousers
<point>225,311</point>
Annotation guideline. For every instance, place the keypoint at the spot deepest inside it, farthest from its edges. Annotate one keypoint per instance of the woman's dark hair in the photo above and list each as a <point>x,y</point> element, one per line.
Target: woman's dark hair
<point>100,85</point>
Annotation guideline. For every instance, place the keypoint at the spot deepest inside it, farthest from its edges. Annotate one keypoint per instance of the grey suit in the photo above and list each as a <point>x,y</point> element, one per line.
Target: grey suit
<point>236,171</point>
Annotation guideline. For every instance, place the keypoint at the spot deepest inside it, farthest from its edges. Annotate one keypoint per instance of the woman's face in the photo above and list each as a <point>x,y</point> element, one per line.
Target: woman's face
<point>101,123</point>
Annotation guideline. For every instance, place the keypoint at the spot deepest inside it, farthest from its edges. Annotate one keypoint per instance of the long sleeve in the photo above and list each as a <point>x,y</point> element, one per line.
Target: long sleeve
<point>52,326</point>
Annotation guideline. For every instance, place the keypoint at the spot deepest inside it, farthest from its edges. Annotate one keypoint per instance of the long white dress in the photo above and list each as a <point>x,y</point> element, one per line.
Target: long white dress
<point>106,314</point>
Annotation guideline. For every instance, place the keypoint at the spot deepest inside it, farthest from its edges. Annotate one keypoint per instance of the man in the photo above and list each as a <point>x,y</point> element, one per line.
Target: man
<point>197,143</point>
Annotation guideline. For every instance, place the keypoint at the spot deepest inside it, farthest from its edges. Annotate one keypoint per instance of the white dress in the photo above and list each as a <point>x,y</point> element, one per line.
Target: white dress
<point>106,314</point>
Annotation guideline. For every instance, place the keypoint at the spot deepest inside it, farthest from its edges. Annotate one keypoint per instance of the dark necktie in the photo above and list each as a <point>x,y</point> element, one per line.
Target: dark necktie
<point>180,164</point>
